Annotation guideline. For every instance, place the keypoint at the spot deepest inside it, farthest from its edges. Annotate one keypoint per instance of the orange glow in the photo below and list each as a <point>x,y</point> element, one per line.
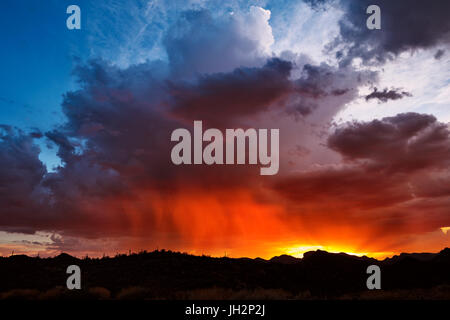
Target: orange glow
<point>232,223</point>
<point>298,251</point>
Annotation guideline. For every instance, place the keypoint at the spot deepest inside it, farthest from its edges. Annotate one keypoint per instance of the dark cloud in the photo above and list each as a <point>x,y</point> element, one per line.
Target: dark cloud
<point>321,84</point>
<point>395,178</point>
<point>223,97</point>
<point>351,187</point>
<point>21,174</point>
<point>65,147</point>
<point>36,134</point>
<point>245,91</point>
<point>115,151</point>
<point>320,81</point>
<point>406,142</point>
<point>438,55</point>
<point>115,145</point>
<point>385,95</point>
<point>406,25</point>
<point>117,179</point>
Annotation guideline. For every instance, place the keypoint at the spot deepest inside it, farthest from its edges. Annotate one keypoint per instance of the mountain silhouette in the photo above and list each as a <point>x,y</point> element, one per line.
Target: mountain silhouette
<point>286,259</point>
<point>173,275</point>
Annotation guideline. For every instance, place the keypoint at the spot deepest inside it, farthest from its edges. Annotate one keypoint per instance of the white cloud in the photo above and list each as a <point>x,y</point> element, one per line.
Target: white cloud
<point>426,78</point>
<point>307,31</point>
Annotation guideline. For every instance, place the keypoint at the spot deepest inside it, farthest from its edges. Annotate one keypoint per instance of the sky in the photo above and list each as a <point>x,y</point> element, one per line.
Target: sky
<point>86,117</point>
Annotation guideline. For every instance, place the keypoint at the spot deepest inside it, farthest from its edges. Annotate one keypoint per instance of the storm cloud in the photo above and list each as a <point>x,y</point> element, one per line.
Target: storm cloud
<point>405,26</point>
<point>387,94</point>
<point>116,179</point>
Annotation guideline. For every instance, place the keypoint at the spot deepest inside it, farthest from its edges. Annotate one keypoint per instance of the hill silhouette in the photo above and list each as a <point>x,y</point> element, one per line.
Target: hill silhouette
<point>173,275</point>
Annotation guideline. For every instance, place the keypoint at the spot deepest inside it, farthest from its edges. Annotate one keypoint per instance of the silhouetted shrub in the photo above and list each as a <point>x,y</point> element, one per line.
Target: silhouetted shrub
<point>133,293</point>
<point>99,293</point>
<point>20,294</point>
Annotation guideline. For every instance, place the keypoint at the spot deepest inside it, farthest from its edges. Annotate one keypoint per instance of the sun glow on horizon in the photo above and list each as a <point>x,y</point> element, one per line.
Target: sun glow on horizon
<point>299,250</point>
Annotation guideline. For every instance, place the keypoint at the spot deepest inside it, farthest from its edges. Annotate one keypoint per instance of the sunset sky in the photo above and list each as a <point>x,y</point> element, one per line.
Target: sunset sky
<point>86,118</point>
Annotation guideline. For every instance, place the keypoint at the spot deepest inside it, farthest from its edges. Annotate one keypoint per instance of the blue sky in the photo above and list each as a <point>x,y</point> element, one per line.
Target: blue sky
<point>37,59</point>
<point>37,63</point>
